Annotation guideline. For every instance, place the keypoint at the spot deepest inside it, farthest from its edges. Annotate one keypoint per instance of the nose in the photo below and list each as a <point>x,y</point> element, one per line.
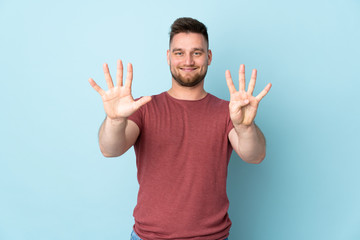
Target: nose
<point>189,60</point>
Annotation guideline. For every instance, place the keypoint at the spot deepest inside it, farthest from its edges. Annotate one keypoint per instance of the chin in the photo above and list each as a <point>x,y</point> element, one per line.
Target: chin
<point>188,81</point>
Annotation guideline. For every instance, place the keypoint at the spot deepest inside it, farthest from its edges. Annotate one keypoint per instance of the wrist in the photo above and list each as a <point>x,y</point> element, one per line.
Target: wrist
<point>116,121</point>
<point>242,129</point>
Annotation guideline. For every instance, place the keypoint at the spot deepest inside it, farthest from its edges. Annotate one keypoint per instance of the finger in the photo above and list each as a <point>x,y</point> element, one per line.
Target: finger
<point>107,76</point>
<point>236,106</point>
<point>242,77</point>
<point>243,99</point>
<point>252,82</point>
<point>230,82</point>
<point>142,101</point>
<point>243,102</point>
<point>96,87</point>
<point>263,92</point>
<point>129,76</point>
<point>119,73</point>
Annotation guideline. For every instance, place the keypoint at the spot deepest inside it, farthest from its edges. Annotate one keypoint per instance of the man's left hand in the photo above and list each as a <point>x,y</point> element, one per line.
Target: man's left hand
<point>243,105</point>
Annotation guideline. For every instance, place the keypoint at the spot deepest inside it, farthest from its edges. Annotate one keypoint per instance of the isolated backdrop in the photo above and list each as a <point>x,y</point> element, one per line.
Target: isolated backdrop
<point>54,182</point>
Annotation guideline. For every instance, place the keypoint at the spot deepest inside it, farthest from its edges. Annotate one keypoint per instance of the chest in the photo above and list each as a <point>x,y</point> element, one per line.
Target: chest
<point>174,125</point>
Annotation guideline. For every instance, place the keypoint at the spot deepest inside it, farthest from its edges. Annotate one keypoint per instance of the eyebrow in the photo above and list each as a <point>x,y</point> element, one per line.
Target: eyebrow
<point>194,49</point>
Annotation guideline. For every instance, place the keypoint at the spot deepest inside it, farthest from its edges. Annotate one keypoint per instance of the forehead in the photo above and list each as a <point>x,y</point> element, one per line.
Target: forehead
<point>188,41</point>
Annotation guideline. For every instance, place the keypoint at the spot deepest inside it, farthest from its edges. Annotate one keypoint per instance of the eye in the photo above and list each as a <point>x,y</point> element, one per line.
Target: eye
<point>197,53</point>
<point>178,53</point>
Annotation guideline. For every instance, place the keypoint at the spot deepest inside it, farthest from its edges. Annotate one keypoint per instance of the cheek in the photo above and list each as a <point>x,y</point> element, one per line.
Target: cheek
<point>202,61</point>
<point>174,62</point>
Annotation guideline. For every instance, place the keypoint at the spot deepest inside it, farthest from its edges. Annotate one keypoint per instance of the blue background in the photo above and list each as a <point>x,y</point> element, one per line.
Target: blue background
<point>54,182</point>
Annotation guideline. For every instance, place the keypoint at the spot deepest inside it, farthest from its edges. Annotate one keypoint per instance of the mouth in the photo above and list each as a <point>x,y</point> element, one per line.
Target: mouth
<point>188,69</point>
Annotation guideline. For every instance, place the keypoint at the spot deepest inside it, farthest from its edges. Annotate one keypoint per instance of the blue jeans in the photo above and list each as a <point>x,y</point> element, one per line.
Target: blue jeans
<point>136,237</point>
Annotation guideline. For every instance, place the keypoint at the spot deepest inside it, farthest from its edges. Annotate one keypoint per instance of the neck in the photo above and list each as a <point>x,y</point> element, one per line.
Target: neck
<point>187,93</point>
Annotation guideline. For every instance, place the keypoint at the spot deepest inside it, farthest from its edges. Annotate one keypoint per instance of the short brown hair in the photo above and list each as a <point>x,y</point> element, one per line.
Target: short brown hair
<point>188,25</point>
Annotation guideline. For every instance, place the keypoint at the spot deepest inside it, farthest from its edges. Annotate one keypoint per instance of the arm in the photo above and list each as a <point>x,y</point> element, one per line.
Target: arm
<point>246,138</point>
<point>117,134</point>
<point>249,143</point>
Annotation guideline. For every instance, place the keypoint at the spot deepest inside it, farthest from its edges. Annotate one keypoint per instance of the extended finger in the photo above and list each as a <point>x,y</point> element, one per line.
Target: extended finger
<point>129,76</point>
<point>242,77</point>
<point>96,87</point>
<point>119,73</point>
<point>108,76</point>
<point>142,101</point>
<point>230,82</point>
<point>263,92</point>
<point>252,82</point>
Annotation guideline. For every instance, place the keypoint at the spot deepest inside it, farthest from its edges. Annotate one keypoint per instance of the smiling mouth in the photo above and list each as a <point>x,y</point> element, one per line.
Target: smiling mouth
<point>188,69</point>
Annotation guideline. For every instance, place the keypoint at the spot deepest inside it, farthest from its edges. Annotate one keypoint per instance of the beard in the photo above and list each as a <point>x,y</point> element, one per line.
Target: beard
<point>188,81</point>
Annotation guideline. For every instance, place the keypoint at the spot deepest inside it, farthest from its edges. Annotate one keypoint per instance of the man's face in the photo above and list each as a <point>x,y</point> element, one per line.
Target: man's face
<point>188,58</point>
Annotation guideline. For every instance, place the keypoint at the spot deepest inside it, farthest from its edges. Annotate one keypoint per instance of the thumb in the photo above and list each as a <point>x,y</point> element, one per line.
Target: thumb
<point>142,101</point>
<point>239,103</point>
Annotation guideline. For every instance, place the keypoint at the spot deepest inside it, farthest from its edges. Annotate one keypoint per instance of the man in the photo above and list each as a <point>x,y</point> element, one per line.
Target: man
<point>183,139</point>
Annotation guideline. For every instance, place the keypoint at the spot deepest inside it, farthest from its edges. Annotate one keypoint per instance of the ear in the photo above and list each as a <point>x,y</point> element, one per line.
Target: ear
<point>168,56</point>
<point>209,57</point>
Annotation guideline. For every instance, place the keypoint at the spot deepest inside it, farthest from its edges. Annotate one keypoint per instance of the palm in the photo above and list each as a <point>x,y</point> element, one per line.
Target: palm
<point>242,114</point>
<point>118,101</point>
<point>243,105</point>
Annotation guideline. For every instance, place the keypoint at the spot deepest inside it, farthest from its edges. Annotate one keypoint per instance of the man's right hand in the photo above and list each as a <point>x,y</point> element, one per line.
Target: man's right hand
<point>118,101</point>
